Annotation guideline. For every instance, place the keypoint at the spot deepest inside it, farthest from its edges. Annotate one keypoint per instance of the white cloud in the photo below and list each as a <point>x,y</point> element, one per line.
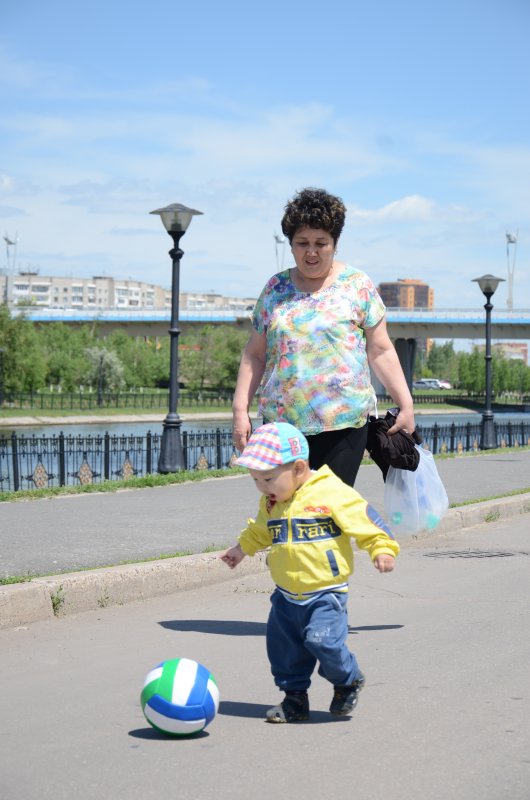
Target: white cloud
<point>86,173</point>
<point>411,208</point>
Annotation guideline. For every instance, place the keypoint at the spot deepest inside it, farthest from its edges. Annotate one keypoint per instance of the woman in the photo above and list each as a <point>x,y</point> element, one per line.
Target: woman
<point>317,328</point>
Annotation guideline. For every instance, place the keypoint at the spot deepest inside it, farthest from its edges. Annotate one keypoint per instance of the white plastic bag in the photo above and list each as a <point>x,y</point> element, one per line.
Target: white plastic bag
<point>415,501</point>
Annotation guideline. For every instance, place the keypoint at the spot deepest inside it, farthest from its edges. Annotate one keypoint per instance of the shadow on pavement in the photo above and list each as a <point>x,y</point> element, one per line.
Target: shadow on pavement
<point>152,733</point>
<point>242,628</point>
<point>352,629</point>
<point>257,711</point>
<point>222,627</point>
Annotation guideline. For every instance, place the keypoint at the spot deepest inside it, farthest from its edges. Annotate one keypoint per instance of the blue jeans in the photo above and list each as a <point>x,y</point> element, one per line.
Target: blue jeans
<point>299,636</point>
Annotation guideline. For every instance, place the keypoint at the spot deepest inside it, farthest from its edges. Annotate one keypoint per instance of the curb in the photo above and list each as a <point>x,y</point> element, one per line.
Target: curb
<point>55,596</point>
<point>70,593</point>
<point>485,512</point>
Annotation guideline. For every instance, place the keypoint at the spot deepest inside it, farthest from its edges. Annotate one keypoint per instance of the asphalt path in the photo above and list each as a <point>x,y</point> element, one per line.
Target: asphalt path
<point>42,537</point>
<point>443,641</point>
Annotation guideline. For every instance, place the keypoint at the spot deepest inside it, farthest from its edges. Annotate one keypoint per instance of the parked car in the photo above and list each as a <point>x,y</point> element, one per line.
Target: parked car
<point>427,383</point>
<point>445,384</point>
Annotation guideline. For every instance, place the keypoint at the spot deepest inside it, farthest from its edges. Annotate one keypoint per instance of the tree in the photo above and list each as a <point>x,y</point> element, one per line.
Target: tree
<point>65,348</point>
<point>145,361</point>
<point>105,370</point>
<point>210,356</point>
<point>24,362</point>
<point>231,344</point>
<point>442,362</point>
<point>500,374</point>
<point>471,371</point>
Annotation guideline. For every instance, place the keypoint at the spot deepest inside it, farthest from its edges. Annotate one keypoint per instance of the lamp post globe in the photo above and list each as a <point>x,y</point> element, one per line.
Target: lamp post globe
<point>176,219</point>
<point>488,437</point>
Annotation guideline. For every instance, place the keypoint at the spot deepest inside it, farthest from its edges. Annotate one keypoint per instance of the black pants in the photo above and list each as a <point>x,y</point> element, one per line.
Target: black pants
<point>341,450</point>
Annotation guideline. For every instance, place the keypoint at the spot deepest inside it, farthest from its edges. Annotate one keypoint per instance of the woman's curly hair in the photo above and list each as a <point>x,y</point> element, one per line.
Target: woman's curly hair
<point>314,208</point>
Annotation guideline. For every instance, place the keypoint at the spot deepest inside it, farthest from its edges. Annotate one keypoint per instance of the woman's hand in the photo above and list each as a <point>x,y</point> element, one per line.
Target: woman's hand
<point>241,429</point>
<point>404,422</point>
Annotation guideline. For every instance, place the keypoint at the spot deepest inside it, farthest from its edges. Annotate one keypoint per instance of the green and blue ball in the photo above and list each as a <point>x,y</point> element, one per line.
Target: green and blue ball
<point>180,697</point>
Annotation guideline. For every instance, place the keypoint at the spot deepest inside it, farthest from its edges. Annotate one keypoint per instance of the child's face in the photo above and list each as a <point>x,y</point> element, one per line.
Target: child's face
<point>280,483</point>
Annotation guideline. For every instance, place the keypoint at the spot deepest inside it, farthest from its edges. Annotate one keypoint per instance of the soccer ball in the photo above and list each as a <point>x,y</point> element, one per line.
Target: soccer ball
<point>180,697</point>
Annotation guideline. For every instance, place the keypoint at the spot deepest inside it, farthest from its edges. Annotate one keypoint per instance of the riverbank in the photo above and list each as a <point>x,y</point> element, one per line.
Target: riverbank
<point>88,419</point>
<point>186,416</point>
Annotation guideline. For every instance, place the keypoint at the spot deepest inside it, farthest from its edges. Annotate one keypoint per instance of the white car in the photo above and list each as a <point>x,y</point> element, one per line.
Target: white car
<point>427,383</point>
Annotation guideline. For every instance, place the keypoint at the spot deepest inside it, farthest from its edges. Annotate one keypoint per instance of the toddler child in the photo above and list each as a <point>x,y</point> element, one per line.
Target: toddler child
<point>307,519</point>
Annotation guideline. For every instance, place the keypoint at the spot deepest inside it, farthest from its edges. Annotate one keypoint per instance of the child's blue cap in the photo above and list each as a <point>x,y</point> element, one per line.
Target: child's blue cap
<point>273,445</point>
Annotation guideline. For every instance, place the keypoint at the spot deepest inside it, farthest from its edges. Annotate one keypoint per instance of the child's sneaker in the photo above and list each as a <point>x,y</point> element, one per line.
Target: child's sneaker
<point>345,697</point>
<point>293,708</point>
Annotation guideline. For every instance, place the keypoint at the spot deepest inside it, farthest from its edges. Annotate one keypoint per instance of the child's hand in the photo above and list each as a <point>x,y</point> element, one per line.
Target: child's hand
<point>384,562</point>
<point>232,556</point>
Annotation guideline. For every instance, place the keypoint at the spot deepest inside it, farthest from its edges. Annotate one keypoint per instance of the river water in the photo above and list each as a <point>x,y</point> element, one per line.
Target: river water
<point>141,427</point>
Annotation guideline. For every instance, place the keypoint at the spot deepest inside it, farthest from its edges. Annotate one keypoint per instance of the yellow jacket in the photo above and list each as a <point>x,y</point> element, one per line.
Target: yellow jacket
<point>310,536</point>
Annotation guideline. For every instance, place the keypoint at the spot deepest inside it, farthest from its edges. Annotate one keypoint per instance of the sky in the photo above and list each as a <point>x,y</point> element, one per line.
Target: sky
<point>415,112</point>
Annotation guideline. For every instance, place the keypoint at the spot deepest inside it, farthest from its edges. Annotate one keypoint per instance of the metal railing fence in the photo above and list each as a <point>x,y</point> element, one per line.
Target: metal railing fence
<point>465,437</point>
<point>87,401</point>
<point>35,462</point>
<point>158,400</point>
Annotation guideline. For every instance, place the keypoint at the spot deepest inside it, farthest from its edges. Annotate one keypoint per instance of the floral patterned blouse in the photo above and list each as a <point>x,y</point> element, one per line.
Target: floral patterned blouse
<point>316,372</point>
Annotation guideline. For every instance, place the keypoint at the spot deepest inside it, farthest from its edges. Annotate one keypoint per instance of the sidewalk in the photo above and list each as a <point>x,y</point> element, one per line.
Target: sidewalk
<point>445,714</point>
<point>83,532</point>
<point>85,419</point>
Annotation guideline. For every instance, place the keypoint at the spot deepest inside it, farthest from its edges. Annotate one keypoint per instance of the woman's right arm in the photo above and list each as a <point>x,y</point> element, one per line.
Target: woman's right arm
<point>251,369</point>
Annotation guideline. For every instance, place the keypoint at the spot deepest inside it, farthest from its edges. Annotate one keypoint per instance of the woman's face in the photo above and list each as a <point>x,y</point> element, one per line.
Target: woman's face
<point>313,250</point>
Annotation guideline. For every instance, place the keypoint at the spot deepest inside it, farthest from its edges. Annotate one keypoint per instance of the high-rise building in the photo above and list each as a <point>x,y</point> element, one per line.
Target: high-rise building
<point>409,293</point>
<point>406,293</point>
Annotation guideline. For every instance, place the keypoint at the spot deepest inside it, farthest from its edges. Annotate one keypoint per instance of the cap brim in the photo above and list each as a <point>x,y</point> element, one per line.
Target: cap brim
<point>252,462</point>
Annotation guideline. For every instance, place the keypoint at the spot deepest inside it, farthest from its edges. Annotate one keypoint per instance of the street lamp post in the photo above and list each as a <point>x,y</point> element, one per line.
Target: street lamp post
<point>176,219</point>
<point>1,375</point>
<point>488,285</point>
<point>100,379</point>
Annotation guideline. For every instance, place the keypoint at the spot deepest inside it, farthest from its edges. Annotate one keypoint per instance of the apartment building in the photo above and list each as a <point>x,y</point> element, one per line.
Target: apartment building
<point>406,293</point>
<point>200,301</point>
<point>409,293</point>
<point>96,292</point>
<point>31,288</point>
<point>512,350</point>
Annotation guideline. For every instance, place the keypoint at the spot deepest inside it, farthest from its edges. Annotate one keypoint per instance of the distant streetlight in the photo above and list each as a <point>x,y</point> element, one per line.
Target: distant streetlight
<point>488,285</point>
<point>176,219</point>
<point>280,240</point>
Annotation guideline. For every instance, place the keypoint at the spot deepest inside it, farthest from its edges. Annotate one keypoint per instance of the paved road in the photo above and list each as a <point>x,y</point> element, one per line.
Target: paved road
<point>445,714</point>
<point>72,532</point>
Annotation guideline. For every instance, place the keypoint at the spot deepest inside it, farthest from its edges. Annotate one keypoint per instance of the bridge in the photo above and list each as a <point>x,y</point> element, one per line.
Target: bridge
<point>455,323</point>
<point>405,326</point>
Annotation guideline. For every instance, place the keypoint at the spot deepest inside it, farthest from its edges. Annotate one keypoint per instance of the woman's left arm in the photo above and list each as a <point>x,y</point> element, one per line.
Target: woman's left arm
<point>384,361</point>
